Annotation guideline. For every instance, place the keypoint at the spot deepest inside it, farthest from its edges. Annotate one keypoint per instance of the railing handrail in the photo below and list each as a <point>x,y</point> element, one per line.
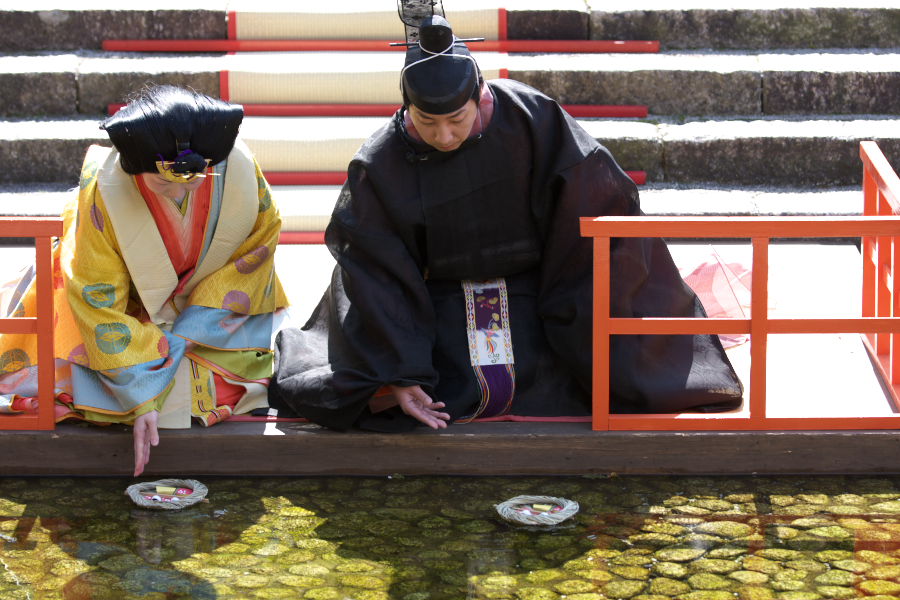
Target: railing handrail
<point>30,227</point>
<point>887,180</point>
<point>739,227</point>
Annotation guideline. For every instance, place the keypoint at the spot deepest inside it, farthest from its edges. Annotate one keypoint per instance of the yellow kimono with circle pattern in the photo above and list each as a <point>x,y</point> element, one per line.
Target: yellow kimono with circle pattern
<point>120,332</point>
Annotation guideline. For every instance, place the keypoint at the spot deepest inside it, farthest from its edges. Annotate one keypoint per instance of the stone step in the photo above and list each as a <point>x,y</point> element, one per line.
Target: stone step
<point>801,151</point>
<point>308,208</point>
<point>677,25</point>
<point>833,82</point>
<point>753,24</point>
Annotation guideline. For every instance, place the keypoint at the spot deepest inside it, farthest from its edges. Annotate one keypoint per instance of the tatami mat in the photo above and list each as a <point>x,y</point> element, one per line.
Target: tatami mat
<point>326,77</point>
<point>336,22</point>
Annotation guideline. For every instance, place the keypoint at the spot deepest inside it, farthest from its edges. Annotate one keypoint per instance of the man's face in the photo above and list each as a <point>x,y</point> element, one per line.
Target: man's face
<point>445,132</point>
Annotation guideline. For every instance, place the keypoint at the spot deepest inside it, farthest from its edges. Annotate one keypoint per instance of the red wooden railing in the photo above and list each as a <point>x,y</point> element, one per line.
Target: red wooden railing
<point>881,258</point>
<point>42,230</point>
<point>880,320</point>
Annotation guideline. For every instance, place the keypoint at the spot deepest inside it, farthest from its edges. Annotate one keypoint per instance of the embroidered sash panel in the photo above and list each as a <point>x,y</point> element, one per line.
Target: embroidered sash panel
<point>490,346</point>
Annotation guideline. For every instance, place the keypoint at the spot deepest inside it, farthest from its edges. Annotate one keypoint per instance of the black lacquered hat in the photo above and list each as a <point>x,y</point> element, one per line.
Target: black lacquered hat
<point>440,75</point>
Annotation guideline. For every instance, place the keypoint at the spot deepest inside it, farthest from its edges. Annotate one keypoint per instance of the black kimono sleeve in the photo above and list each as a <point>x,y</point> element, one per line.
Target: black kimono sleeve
<point>649,373</point>
<point>374,326</point>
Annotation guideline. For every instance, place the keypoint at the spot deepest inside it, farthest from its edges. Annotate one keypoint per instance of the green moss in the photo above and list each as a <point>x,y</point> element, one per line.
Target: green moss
<point>749,577</point>
<point>679,555</point>
<point>545,576</point>
<point>273,593</point>
<point>630,572</point>
<point>787,585</point>
<point>884,572</point>
<point>310,570</point>
<point>880,586</point>
<point>714,504</point>
<point>832,532</point>
<point>727,552</point>
<point>532,593</point>
<point>668,587</point>
<point>657,540</point>
<point>833,555</point>
<point>324,593</point>
<point>707,595</point>
<point>781,500</point>
<point>760,564</point>
<point>755,593</point>
<point>709,581</point>
<point>665,528</point>
<point>714,565</point>
<point>877,558</point>
<point>808,565</point>
<point>623,589</point>
<point>726,529</point>
<point>891,507</point>
<point>595,575</point>
<point>250,581</point>
<point>837,592</point>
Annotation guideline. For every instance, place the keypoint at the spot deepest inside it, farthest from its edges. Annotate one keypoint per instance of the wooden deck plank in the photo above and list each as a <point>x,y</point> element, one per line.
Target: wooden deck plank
<point>292,449</point>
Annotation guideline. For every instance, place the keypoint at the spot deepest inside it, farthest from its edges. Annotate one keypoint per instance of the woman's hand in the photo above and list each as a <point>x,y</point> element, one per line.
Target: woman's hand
<point>419,405</point>
<point>145,435</point>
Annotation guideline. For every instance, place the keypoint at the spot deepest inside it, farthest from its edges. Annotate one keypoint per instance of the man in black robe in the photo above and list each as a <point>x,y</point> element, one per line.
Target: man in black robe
<point>463,288</point>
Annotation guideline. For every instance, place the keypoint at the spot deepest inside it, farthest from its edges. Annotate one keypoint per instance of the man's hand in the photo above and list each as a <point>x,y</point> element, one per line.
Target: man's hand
<point>145,435</point>
<point>417,404</point>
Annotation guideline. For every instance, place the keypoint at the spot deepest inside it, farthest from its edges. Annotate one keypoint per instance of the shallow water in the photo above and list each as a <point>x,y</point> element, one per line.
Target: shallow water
<point>418,538</point>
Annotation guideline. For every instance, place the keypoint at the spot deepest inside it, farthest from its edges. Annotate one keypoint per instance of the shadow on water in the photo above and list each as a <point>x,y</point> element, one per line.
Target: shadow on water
<point>80,539</point>
<point>432,538</point>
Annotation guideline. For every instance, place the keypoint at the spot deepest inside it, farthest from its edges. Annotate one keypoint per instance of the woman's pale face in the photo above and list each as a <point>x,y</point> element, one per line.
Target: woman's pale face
<point>445,132</point>
<point>161,186</point>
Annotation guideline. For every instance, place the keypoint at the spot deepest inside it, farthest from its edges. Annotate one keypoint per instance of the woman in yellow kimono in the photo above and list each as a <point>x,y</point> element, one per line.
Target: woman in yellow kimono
<point>165,290</point>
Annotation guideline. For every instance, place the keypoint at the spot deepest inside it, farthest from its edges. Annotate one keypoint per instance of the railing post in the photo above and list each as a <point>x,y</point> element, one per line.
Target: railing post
<point>45,329</point>
<point>868,245</point>
<point>601,336</point>
<point>759,330</point>
<point>883,258</point>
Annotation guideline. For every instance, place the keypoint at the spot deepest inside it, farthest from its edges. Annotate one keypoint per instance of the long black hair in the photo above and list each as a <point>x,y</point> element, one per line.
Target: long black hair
<point>164,121</point>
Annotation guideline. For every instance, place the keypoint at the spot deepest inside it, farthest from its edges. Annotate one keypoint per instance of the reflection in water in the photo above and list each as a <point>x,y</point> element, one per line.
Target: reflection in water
<point>429,538</point>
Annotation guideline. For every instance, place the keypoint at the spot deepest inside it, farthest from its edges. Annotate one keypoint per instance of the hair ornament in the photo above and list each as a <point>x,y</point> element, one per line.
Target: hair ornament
<point>187,166</point>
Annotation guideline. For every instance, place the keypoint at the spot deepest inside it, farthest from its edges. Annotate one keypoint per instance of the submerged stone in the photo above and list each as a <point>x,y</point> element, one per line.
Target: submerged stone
<point>726,529</point>
<point>668,587</point>
<point>755,593</point>
<point>880,586</point>
<point>877,558</point>
<point>595,575</point>
<point>630,572</point>
<point>545,575</point>
<point>749,577</point>
<point>679,555</point>
<point>670,569</point>
<point>836,592</point>
<point>707,595</point>
<point>714,565</point>
<point>709,581</point>
<point>891,507</point>
<point>574,586</point>
<point>324,593</point>
<point>883,572</point>
<point>533,593</point>
<point>833,555</point>
<point>623,589</point>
